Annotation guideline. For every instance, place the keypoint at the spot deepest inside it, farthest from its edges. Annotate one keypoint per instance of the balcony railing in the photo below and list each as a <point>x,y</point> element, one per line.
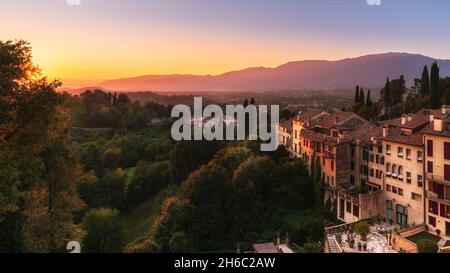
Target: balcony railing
<point>437,197</point>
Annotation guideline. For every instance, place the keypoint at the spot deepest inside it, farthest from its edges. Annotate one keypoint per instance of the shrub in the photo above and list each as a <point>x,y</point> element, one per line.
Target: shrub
<point>362,228</point>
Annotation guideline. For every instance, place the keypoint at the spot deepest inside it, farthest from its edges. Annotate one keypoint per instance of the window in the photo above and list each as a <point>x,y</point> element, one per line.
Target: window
<point>395,190</point>
<point>408,154</point>
<point>447,172</point>
<point>416,197</point>
<point>353,151</point>
<point>364,170</point>
<point>365,155</point>
<point>388,149</point>
<point>432,221</point>
<point>324,162</point>
<point>389,188</point>
<point>430,148</point>
<point>438,189</point>
<point>434,207</point>
<point>390,211</point>
<point>447,151</point>
<point>408,178</point>
<point>352,166</point>
<point>372,172</point>
<point>349,207</point>
<point>332,165</point>
<point>356,210</point>
<point>420,180</point>
<point>402,215</point>
<point>400,192</point>
<point>380,149</point>
<point>388,169</point>
<point>430,167</point>
<point>341,208</point>
<point>400,152</point>
<point>420,156</point>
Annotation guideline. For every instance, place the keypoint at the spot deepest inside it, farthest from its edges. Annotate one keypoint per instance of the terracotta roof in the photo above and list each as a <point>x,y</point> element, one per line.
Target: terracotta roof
<point>308,114</point>
<point>429,130</point>
<point>413,121</point>
<point>396,135</point>
<point>286,124</point>
<point>335,118</point>
<point>365,132</point>
<point>318,137</point>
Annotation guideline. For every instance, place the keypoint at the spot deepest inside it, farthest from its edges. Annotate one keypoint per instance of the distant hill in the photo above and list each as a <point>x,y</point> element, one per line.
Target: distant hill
<point>369,71</point>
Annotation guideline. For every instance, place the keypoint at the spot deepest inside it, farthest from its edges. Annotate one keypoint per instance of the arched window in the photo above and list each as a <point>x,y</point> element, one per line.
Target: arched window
<point>400,170</point>
<point>394,168</point>
<point>388,167</point>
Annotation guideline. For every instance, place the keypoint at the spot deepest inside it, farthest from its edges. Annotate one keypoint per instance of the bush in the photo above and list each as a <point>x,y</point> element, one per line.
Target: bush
<point>105,231</point>
<point>427,246</point>
<point>362,228</point>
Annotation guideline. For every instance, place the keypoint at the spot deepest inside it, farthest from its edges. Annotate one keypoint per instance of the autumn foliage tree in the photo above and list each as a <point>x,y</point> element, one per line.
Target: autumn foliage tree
<point>38,174</point>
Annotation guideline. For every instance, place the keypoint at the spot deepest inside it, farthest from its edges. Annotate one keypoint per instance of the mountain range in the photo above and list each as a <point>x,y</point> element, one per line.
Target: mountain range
<point>369,71</point>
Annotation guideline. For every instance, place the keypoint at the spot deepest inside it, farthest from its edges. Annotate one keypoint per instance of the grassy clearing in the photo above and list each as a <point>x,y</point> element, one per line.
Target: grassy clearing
<point>141,219</point>
<point>423,236</point>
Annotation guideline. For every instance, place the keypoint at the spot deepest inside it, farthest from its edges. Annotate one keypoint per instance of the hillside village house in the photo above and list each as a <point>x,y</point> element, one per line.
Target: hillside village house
<point>437,170</point>
<point>397,170</point>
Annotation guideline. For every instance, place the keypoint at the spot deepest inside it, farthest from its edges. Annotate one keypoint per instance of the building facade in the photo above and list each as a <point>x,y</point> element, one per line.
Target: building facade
<point>398,170</point>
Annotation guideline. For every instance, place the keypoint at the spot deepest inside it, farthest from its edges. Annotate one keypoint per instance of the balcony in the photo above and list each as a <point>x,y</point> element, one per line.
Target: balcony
<point>438,198</point>
<point>437,179</point>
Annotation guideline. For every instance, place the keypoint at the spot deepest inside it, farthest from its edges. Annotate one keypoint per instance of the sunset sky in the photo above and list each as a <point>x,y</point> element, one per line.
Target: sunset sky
<point>105,39</point>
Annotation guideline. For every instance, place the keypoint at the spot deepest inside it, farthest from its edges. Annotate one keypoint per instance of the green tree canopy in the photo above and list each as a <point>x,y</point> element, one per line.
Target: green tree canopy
<point>105,231</point>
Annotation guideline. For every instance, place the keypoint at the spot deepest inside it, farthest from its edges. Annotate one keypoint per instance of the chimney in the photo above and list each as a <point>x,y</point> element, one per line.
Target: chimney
<point>431,117</point>
<point>403,120</point>
<point>410,117</point>
<point>385,131</point>
<point>438,125</point>
<point>445,109</point>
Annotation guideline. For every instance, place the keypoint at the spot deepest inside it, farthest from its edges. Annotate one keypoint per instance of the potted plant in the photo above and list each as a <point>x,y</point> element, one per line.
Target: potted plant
<point>351,241</point>
<point>438,232</point>
<point>363,229</point>
<point>365,247</point>
<point>360,246</point>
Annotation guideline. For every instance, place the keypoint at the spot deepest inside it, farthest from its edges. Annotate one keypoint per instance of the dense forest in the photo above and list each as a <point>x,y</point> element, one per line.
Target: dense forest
<point>101,169</point>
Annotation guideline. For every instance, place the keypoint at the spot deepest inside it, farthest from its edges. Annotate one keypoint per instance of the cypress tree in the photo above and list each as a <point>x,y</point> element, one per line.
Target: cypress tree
<point>425,82</point>
<point>252,101</point>
<point>317,182</point>
<point>246,103</point>
<point>387,93</point>
<point>361,96</point>
<point>357,95</point>
<point>369,99</point>
<point>435,99</point>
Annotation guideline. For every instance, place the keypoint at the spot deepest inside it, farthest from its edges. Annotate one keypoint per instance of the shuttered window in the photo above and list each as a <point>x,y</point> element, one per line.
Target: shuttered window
<point>430,148</point>
<point>447,150</point>
<point>447,172</point>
